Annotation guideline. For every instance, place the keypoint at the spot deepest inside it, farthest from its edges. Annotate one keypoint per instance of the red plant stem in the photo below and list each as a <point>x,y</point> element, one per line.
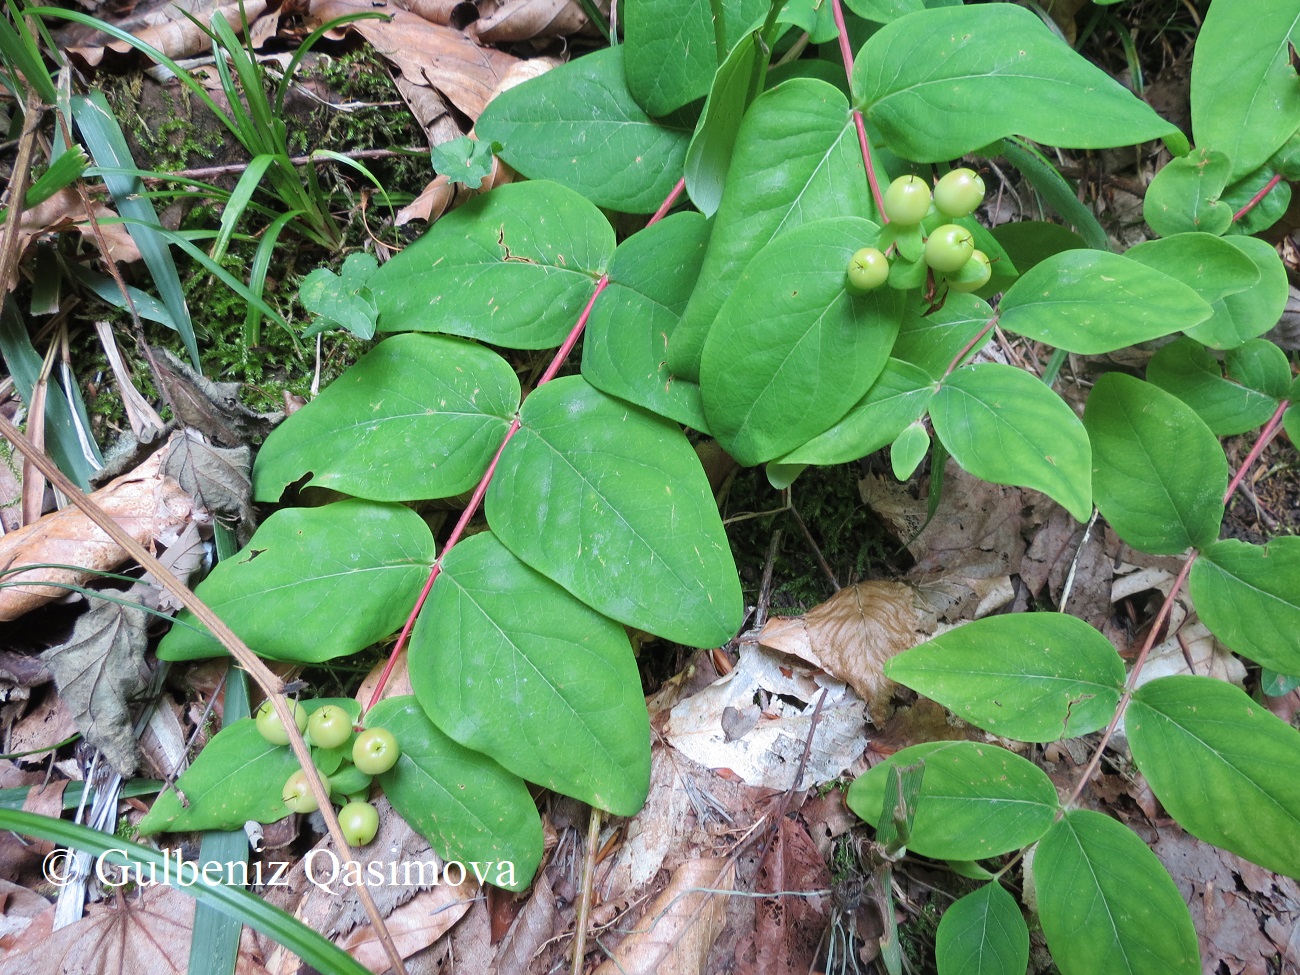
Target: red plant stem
<point>476,499</point>
<point>965,349</point>
<point>1267,434</point>
<point>1254,200</point>
<point>847,54</point>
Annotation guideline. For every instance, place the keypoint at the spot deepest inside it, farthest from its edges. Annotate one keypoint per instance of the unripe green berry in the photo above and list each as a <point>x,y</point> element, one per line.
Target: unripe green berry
<point>868,270</point>
<point>975,273</point>
<point>359,822</point>
<point>270,727</point>
<point>297,793</point>
<point>958,193</point>
<point>907,200</point>
<point>949,248</point>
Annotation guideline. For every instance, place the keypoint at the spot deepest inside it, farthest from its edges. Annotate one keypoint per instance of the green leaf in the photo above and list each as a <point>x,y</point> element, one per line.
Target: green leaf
<point>626,348</point>
<point>236,777</point>
<point>884,11</point>
<point>895,400</point>
<point>672,51</point>
<point>1245,100</point>
<point>514,267</point>
<point>341,300</point>
<point>1263,213</point>
<point>612,504</point>
<point>909,450</point>
<point>1107,905</point>
<point>463,160</point>
<point>314,583</point>
<point>1185,195</point>
<point>709,155</point>
<point>419,416</point>
<point>792,350</point>
<point>1005,426</point>
<point>796,159</point>
<point>1274,684</point>
<point>1248,313</point>
<point>509,664</point>
<point>1029,676</point>
<point>930,339</point>
<point>1030,242</point>
<point>942,83</point>
<point>1186,368</point>
<point>983,933</point>
<point>1260,365</point>
<point>467,806</point>
<point>1249,597</point>
<point>977,801</point>
<point>1158,472</point>
<point>1207,264</point>
<point>1222,765</point>
<point>579,125</point>
<point>1092,302</point>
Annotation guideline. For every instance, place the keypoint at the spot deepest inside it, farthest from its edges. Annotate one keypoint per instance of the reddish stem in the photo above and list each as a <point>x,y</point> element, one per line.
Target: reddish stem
<point>965,349</point>
<point>847,54</point>
<point>476,499</point>
<point>1254,200</point>
<point>1267,434</point>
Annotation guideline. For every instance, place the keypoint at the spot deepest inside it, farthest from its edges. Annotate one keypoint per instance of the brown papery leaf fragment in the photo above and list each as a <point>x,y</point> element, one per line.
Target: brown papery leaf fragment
<point>146,503</point>
<point>852,634</point>
<point>674,934</point>
<point>65,211</point>
<point>523,20</point>
<point>788,929</point>
<point>166,28</point>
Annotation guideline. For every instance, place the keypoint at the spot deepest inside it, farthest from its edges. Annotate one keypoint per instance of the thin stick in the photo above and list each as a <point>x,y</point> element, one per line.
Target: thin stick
<point>264,677</point>
<point>588,882</point>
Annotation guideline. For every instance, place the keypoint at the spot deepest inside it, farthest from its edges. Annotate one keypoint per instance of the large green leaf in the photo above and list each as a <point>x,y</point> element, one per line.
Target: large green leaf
<point>930,338</point>
<point>612,504</point>
<point>1029,676</point>
<point>672,51</point>
<point>1184,195</point>
<point>1209,265</point>
<point>1241,316</point>
<point>1186,368</point>
<point>1261,366</point>
<point>418,417</point>
<point>976,801</point>
<point>1158,472</point>
<point>314,583</point>
<point>237,777</point>
<point>709,155</point>
<point>942,83</point>
<point>792,350</point>
<point>1030,242</point>
<point>626,348</point>
<point>579,125</point>
<point>1092,302</point>
<point>895,400</point>
<point>1107,905</point>
<point>1245,100</point>
<point>983,933</point>
<point>1222,765</point>
<point>509,664</point>
<point>513,267</point>
<point>1249,597</point>
<point>796,159</point>
<point>467,806</point>
<point>1005,426</point>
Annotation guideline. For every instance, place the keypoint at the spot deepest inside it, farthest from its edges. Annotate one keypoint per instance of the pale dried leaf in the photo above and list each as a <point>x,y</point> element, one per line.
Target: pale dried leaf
<point>414,926</point>
<point>523,20</point>
<point>20,855</point>
<point>147,504</point>
<point>435,11</point>
<point>214,409</point>
<point>49,724</point>
<point>217,478</point>
<point>674,934</point>
<point>166,28</point>
<point>64,211</point>
<point>533,928</point>
<point>20,907</point>
<point>427,54</point>
<point>430,110</point>
<point>471,942</point>
<point>852,634</point>
<point>653,831</point>
<point>100,672</point>
<point>788,929</point>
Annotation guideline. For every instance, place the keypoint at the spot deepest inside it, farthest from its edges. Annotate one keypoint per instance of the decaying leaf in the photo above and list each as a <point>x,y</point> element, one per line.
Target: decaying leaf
<point>217,478</point>
<point>100,671</point>
<point>64,211</point>
<point>149,505</point>
<point>214,409</point>
<point>674,934</point>
<point>414,926</point>
<point>523,20</point>
<point>788,928</point>
<point>852,634</point>
<point>165,27</point>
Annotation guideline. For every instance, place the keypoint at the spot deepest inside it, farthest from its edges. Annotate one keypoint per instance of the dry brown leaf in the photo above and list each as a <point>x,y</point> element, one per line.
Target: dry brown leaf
<point>788,929</point>
<point>523,20</point>
<point>427,54</point>
<point>18,907</point>
<point>166,28</point>
<point>46,726</point>
<point>19,855</point>
<point>414,926</point>
<point>64,211</point>
<point>533,928</point>
<point>149,505</point>
<point>852,634</point>
<point>674,934</point>
<point>445,12</point>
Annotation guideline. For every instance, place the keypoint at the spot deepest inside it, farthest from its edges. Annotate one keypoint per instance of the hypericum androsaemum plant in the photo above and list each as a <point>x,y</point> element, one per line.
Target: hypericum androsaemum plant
<point>735,318</point>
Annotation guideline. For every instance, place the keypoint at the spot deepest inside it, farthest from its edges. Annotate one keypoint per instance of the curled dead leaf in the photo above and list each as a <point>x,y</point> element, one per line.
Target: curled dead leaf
<point>166,28</point>
<point>523,20</point>
<point>65,211</point>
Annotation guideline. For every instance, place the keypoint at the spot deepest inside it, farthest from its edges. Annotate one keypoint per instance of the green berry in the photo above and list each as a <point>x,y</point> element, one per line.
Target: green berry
<point>359,822</point>
<point>974,274</point>
<point>958,193</point>
<point>907,200</point>
<point>270,727</point>
<point>329,726</point>
<point>868,270</point>
<point>949,248</point>
<point>297,793</point>
<point>375,751</point>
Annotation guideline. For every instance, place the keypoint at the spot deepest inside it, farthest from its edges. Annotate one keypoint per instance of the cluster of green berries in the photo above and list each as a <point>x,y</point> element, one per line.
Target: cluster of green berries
<point>329,731</point>
<point>919,238</point>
